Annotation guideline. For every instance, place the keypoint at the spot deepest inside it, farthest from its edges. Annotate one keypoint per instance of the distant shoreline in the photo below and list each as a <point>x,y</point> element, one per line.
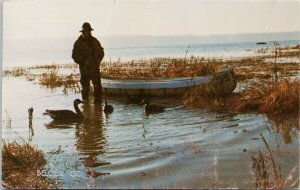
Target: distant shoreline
<point>118,40</point>
<point>44,51</point>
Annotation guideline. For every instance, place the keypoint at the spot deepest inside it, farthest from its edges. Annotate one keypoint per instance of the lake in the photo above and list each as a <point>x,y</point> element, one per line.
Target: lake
<point>179,148</point>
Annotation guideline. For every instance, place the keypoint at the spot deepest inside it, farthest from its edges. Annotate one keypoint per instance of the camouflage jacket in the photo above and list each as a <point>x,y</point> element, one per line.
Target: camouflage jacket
<point>87,52</point>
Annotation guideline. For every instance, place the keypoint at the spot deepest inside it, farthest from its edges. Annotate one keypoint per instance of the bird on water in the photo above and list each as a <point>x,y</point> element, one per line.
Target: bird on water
<point>66,114</point>
<point>108,108</point>
<point>152,108</point>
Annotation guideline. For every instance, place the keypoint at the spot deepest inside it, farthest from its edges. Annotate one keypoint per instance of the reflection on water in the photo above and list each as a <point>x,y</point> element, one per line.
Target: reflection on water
<point>91,136</point>
<point>286,127</point>
<point>31,130</point>
<point>57,124</point>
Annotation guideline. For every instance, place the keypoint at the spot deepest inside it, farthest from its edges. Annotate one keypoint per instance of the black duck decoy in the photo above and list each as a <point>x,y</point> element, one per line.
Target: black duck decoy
<point>131,99</point>
<point>108,108</point>
<point>152,108</point>
<point>66,114</point>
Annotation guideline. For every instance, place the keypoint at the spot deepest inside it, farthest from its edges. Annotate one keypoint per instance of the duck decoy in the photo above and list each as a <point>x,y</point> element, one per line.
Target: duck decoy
<point>152,108</point>
<point>130,99</point>
<point>108,108</point>
<point>66,114</point>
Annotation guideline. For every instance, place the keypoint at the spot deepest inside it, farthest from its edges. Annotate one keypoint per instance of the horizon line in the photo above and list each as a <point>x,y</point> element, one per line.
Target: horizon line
<point>162,35</point>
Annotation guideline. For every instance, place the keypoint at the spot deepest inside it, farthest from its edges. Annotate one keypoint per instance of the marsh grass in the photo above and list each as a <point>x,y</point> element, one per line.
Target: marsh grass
<point>260,69</point>
<point>20,163</point>
<point>53,79</point>
<point>54,66</point>
<point>71,83</point>
<point>289,51</point>
<point>286,51</point>
<point>46,66</point>
<point>269,97</point>
<point>267,172</point>
<point>160,68</point>
<point>255,67</point>
<point>266,66</point>
<point>202,96</point>
<point>272,98</point>
<point>15,72</point>
<point>281,98</point>
<point>166,67</point>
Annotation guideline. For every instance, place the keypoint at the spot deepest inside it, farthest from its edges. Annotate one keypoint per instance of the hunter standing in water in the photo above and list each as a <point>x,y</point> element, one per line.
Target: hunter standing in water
<point>88,53</point>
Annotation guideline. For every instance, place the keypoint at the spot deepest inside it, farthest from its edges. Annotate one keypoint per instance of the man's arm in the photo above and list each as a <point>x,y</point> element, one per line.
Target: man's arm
<point>100,51</point>
<point>77,54</point>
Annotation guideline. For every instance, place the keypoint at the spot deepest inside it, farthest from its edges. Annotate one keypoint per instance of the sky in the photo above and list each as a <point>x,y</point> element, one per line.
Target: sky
<point>24,19</point>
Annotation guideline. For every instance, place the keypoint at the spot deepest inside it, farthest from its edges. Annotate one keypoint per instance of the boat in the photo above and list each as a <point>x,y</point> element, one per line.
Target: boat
<point>261,43</point>
<point>223,82</point>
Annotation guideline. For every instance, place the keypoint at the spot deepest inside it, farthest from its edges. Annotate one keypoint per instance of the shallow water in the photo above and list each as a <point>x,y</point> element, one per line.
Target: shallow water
<point>179,148</point>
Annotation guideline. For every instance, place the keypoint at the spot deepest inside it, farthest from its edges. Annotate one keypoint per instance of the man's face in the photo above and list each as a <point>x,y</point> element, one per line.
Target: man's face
<point>87,33</point>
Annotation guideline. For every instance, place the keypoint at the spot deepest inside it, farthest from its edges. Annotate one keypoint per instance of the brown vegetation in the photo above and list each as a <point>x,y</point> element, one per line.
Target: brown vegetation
<point>201,96</point>
<point>54,66</point>
<point>20,163</point>
<point>260,67</point>
<point>266,172</point>
<point>161,67</point>
<point>261,93</point>
<point>15,72</point>
<point>272,98</point>
<point>52,79</point>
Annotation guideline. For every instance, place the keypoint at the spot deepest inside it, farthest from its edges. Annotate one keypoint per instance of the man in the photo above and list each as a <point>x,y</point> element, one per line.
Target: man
<point>88,53</point>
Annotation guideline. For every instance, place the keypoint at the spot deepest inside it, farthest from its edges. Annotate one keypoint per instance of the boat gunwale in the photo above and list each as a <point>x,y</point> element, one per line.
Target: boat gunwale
<point>159,83</point>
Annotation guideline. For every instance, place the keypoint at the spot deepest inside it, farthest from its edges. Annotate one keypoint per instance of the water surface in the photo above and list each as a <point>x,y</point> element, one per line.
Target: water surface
<point>179,148</point>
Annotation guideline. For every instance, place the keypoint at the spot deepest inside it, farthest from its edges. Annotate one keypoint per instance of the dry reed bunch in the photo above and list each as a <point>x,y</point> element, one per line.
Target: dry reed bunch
<point>264,169</point>
<point>20,163</point>
<point>52,79</point>
<point>272,98</point>
<point>160,67</point>
<point>15,72</point>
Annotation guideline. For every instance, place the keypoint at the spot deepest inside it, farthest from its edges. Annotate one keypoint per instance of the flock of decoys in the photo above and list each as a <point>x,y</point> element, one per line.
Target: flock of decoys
<point>107,109</point>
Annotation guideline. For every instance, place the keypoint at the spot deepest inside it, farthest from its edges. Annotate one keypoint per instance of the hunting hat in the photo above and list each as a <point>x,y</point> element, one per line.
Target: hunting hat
<point>86,27</point>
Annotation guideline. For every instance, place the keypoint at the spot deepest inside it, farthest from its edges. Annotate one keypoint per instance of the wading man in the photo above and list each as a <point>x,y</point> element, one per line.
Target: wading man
<point>88,53</point>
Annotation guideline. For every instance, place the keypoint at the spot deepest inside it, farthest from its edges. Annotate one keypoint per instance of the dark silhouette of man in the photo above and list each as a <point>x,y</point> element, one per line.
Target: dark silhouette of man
<point>88,53</point>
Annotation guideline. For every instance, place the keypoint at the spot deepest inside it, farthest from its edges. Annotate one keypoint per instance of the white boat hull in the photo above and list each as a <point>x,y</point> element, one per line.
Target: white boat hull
<point>161,87</point>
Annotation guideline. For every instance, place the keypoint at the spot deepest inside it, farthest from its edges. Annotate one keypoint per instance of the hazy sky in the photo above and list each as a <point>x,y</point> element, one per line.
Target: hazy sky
<point>63,18</point>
